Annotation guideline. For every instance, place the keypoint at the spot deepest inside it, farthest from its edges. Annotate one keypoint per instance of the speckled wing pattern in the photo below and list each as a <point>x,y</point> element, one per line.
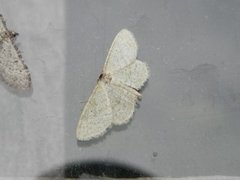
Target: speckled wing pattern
<point>12,68</point>
<point>116,93</point>
<point>96,116</point>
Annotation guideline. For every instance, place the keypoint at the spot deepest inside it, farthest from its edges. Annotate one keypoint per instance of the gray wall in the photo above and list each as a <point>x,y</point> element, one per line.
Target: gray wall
<point>188,121</point>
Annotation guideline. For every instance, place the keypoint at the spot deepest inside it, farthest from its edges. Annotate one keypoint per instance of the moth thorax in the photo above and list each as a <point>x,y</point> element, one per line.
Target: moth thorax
<point>106,78</point>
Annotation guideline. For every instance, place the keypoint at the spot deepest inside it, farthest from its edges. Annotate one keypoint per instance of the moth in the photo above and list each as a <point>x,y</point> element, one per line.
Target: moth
<point>113,100</point>
<point>12,68</point>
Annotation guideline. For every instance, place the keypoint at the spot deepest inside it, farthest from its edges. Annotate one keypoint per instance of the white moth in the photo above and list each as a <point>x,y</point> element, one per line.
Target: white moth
<point>12,68</point>
<point>113,100</point>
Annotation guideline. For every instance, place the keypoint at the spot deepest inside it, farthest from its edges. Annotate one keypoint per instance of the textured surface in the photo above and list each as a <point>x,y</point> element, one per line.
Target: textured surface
<point>32,122</point>
<point>188,120</point>
<point>12,68</point>
<point>96,116</point>
<point>114,98</point>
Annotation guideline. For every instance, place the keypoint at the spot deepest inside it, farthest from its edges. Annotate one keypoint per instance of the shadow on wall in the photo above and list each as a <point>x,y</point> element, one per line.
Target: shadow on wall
<point>100,168</point>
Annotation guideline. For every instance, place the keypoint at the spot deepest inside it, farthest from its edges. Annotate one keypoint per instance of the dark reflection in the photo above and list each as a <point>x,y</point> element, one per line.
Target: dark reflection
<point>96,169</point>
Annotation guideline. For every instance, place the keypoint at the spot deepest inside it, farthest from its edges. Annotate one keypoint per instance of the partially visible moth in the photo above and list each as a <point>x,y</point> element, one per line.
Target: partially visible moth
<point>12,68</point>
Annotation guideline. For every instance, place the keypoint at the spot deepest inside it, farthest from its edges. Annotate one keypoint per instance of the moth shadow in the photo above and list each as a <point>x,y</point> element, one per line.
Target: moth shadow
<point>144,87</point>
<point>18,92</point>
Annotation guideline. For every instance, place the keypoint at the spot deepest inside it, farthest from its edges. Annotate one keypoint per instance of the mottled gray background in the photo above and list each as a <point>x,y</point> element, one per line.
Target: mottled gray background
<point>189,118</point>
